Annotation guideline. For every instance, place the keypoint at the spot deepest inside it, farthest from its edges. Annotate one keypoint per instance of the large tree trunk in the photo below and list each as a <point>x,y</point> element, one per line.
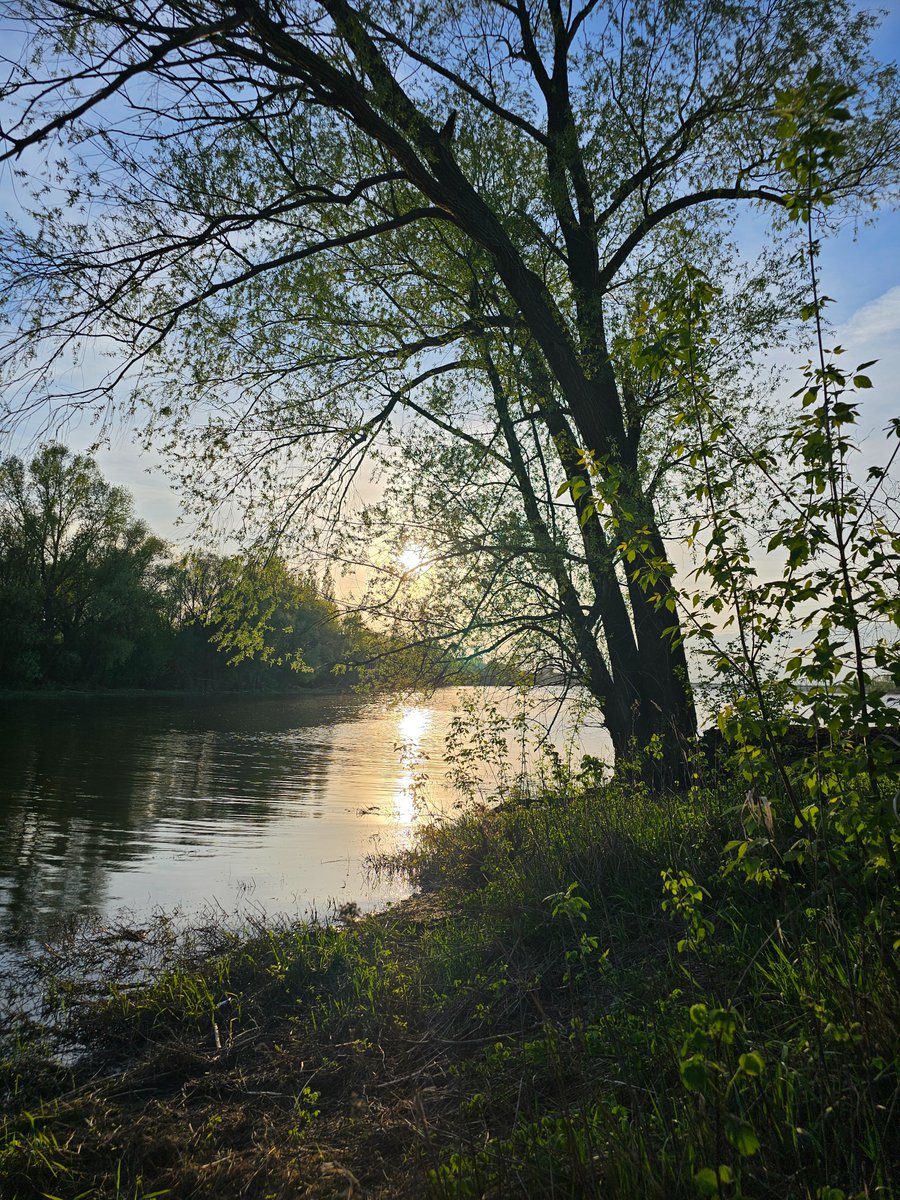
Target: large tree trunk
<point>653,711</point>
<point>649,710</point>
<point>641,683</point>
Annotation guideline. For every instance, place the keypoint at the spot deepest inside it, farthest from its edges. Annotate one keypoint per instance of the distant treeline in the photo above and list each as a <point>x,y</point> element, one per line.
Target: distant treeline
<point>90,597</point>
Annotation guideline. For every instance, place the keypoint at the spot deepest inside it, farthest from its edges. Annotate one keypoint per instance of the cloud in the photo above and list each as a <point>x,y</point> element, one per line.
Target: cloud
<point>880,318</point>
<point>873,332</point>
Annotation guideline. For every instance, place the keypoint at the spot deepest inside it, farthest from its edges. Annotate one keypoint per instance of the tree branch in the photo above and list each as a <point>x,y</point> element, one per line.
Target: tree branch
<point>272,264</point>
<point>652,219</point>
<point>155,57</point>
<point>464,86</point>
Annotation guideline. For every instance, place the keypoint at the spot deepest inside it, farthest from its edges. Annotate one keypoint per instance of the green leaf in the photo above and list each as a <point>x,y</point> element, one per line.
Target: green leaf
<point>752,1064</point>
<point>708,1182</point>
<point>723,1024</point>
<point>742,1136</point>
<point>862,381</point>
<point>694,1074</point>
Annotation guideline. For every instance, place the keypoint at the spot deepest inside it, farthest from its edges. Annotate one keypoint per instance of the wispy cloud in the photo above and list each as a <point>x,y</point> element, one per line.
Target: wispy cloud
<point>879,318</point>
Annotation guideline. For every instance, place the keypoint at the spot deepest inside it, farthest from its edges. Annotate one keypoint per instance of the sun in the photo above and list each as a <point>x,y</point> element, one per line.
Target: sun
<point>412,560</point>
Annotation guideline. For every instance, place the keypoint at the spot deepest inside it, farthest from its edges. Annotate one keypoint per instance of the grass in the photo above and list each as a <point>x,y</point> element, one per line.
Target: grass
<point>585,1001</point>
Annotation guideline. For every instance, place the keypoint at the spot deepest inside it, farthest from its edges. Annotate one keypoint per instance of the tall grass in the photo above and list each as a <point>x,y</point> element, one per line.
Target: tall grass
<point>693,1031</point>
<point>589,1002</point>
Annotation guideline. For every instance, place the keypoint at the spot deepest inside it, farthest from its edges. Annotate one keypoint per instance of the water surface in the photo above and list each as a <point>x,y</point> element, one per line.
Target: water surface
<point>185,803</point>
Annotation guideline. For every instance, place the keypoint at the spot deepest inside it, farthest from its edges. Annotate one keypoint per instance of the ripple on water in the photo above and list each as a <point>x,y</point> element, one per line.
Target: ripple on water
<point>181,802</point>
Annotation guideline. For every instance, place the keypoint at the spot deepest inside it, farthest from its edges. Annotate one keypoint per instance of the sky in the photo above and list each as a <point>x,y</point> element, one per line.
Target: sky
<point>859,268</point>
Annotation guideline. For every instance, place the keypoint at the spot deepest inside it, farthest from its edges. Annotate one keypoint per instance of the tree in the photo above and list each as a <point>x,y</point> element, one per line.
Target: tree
<point>261,610</point>
<point>81,580</point>
<point>244,621</point>
<point>314,223</point>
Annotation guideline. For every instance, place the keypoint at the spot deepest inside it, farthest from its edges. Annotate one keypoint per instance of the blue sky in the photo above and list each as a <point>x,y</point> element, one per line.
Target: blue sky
<point>860,269</point>
<point>862,273</point>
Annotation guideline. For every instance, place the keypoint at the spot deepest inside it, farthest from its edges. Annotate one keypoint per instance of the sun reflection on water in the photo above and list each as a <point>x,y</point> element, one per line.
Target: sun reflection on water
<point>414,722</point>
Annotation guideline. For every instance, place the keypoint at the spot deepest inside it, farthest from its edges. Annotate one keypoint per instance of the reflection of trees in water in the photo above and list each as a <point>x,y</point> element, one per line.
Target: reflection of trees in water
<point>50,867</point>
<point>85,783</point>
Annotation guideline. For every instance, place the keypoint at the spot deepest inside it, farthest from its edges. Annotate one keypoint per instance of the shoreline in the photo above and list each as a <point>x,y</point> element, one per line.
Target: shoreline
<point>165,693</point>
<point>245,693</point>
<point>557,1012</point>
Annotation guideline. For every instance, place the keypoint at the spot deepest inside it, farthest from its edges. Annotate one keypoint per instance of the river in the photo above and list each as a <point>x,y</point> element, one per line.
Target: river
<point>132,805</point>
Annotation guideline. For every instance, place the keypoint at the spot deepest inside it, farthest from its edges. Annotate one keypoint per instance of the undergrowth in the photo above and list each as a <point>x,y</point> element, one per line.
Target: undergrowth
<point>589,1001</point>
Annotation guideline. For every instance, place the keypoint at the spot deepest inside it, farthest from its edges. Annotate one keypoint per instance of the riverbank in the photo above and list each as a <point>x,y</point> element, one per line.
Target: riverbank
<point>186,693</point>
<point>339,688</point>
<point>582,1003</point>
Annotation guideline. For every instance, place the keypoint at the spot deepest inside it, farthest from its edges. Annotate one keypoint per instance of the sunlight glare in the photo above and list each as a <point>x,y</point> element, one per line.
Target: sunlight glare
<point>412,560</point>
<point>411,728</point>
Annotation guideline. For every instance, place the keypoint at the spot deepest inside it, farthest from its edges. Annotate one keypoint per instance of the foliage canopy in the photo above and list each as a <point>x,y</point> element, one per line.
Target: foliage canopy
<point>424,237</point>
